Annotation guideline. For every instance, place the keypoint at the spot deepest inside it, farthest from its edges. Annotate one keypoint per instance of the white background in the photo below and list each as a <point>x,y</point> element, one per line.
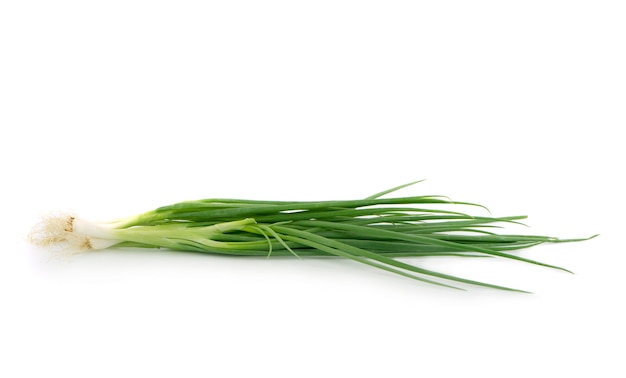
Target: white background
<point>113,108</point>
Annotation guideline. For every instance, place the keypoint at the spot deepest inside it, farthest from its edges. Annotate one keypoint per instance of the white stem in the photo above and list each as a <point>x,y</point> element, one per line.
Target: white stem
<point>91,229</point>
<point>67,232</point>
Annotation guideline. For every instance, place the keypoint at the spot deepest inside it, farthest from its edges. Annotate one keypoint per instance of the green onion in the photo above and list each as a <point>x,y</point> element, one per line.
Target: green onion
<point>375,231</point>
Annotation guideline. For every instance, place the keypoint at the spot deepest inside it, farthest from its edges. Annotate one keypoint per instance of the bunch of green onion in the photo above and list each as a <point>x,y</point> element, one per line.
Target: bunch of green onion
<point>375,231</point>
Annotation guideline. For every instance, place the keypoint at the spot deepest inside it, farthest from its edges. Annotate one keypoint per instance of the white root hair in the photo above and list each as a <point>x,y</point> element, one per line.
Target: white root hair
<point>63,231</point>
